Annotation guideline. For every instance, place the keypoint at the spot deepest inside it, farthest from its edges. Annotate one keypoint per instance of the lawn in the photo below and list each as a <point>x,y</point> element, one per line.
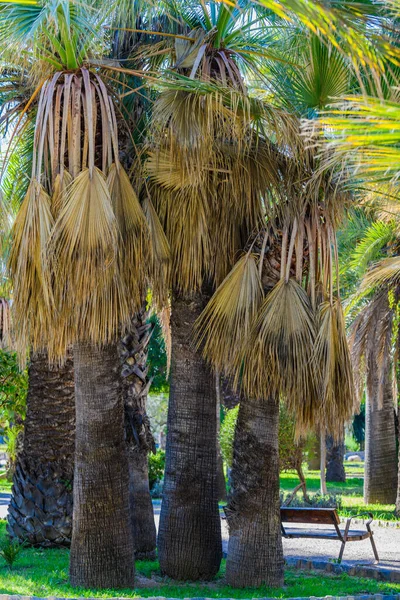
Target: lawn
<point>45,573</point>
<point>5,486</point>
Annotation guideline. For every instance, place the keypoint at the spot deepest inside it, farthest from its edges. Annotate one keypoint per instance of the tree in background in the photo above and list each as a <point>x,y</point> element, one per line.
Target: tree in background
<point>290,450</point>
<point>40,510</point>
<point>136,384</point>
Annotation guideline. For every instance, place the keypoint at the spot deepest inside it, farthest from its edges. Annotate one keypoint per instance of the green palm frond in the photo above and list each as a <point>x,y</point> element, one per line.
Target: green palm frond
<point>345,26</point>
<point>366,131</point>
<point>60,31</point>
<point>322,75</point>
<point>371,246</point>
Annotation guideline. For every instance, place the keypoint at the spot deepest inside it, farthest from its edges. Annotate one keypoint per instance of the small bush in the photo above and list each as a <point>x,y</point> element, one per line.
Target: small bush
<point>156,467</point>
<point>10,551</point>
<point>316,501</point>
<point>156,490</point>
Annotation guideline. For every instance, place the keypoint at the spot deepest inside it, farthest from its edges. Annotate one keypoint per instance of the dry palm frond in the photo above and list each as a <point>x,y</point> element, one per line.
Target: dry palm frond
<point>279,349</point>
<point>210,174</point>
<point>91,295</point>
<point>223,327</point>
<point>370,344</point>
<point>60,187</point>
<point>331,357</point>
<point>134,252</point>
<point>186,224</point>
<point>33,300</point>
<point>99,246</point>
<point>5,324</point>
<point>164,316</point>
<point>167,170</point>
<point>386,271</point>
<point>160,260</point>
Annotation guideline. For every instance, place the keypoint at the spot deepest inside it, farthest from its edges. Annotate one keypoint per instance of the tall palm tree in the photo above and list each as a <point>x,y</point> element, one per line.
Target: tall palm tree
<point>199,136</point>
<point>277,306</point>
<point>372,344</point>
<point>79,245</point>
<point>40,509</point>
<point>374,341</point>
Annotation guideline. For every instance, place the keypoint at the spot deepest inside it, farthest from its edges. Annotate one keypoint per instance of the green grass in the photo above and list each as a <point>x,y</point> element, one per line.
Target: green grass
<point>5,486</point>
<point>45,573</point>
<point>351,492</point>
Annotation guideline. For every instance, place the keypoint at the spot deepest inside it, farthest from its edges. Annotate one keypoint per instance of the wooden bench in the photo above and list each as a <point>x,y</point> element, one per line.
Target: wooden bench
<point>325,516</point>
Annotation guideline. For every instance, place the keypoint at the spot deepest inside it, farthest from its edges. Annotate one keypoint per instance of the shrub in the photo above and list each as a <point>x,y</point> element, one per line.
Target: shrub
<point>10,551</point>
<point>316,501</point>
<point>227,434</point>
<point>156,467</point>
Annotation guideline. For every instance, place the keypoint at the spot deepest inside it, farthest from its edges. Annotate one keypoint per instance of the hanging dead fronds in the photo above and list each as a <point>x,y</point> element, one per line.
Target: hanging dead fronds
<point>81,241</point>
<point>5,324</point>
<point>33,300</point>
<point>370,338</point>
<point>279,349</point>
<point>223,327</point>
<point>160,260</point>
<point>335,385</point>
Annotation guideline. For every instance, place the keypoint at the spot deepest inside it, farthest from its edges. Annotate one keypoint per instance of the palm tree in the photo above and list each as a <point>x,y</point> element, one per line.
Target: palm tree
<point>196,140</point>
<point>278,306</point>
<point>79,245</point>
<point>374,343</point>
<point>334,462</point>
<point>40,510</point>
<point>367,139</point>
<point>134,349</point>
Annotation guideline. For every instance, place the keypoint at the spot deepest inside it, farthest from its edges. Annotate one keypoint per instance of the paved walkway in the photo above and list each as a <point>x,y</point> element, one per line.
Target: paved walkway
<point>387,540</point>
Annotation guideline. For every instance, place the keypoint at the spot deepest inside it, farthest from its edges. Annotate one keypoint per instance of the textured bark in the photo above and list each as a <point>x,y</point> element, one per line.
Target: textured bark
<point>398,487</point>
<point>189,539</point>
<point>255,555</point>
<point>322,468</point>
<point>40,510</point>
<point>102,550</point>
<point>133,353</point>
<point>380,478</point>
<point>335,460</point>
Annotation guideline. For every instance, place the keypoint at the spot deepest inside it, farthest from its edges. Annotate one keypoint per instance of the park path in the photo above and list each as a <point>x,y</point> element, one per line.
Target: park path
<point>387,540</point>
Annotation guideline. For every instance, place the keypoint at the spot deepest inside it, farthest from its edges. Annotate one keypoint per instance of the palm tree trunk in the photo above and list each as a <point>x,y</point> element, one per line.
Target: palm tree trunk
<point>102,550</point>
<point>322,468</point>
<point>40,510</point>
<point>134,349</point>
<point>335,457</point>
<point>380,478</point>
<point>255,555</point>
<point>398,486</point>
<point>189,539</point>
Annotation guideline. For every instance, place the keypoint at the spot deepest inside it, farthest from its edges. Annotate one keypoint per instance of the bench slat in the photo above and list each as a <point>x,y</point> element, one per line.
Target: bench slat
<point>326,534</point>
<point>323,516</point>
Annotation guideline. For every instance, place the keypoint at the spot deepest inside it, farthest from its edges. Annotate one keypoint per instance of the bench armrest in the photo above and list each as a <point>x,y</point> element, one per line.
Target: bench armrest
<point>363,514</point>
